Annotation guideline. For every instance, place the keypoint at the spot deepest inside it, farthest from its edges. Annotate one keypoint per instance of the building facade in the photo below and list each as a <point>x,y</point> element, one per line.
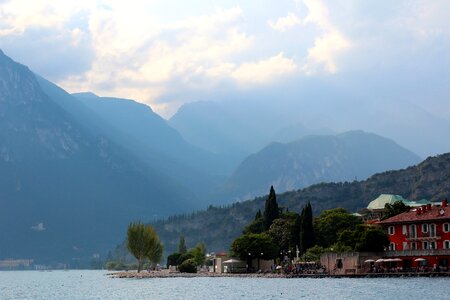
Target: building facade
<point>421,236</point>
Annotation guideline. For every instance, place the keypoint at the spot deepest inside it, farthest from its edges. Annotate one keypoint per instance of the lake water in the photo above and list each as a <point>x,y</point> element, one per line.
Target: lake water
<point>95,285</point>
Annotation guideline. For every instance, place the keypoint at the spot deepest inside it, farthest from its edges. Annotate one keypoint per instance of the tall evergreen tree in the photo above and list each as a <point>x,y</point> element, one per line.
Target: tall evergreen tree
<point>307,237</point>
<point>258,215</point>
<point>271,210</point>
<point>182,245</point>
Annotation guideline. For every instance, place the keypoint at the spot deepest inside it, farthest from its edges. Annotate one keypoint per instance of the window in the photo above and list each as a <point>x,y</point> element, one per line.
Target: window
<point>392,247</point>
<point>424,245</point>
<point>432,229</point>
<point>447,244</point>
<point>424,228</point>
<point>413,246</point>
<point>391,230</point>
<point>405,230</point>
<point>412,231</point>
<point>433,245</point>
<point>405,246</point>
<point>446,227</point>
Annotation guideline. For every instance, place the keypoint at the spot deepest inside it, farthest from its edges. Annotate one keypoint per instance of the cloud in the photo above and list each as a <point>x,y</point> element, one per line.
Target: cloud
<point>165,53</point>
<point>285,23</point>
<point>38,227</point>
<point>265,70</point>
<point>328,45</point>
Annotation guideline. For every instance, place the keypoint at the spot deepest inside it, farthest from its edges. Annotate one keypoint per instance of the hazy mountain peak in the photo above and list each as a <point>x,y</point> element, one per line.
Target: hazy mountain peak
<point>316,158</point>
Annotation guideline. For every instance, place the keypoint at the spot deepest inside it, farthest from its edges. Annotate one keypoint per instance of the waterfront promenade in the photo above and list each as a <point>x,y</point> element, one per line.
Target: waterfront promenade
<point>167,274</point>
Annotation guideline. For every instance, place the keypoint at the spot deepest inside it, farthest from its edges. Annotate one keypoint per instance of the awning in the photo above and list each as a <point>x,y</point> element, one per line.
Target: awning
<point>232,261</point>
<point>420,259</point>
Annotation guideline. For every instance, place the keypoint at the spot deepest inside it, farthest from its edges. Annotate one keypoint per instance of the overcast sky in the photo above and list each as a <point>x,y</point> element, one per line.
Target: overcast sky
<point>166,53</point>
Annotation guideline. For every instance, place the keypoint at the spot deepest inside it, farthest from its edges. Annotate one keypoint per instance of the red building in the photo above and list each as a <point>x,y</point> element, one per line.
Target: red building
<point>420,237</point>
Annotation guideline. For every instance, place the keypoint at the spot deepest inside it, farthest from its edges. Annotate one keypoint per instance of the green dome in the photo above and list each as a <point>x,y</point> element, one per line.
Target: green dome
<point>384,199</point>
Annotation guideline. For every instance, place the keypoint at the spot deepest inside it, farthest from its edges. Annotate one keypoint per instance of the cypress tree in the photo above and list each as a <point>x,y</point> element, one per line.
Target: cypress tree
<point>182,245</point>
<point>271,210</point>
<point>258,215</point>
<point>307,237</point>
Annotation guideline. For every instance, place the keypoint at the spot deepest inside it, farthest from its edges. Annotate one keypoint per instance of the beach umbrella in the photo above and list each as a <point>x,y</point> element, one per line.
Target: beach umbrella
<point>279,267</point>
<point>379,260</point>
<point>369,261</point>
<point>420,259</point>
<point>396,259</point>
<point>388,260</point>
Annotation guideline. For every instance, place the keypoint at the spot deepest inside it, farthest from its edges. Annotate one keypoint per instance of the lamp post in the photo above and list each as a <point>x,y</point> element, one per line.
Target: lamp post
<point>249,262</point>
<point>259,260</point>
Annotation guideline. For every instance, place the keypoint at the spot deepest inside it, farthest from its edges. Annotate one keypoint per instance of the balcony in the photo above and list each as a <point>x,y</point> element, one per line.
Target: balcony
<point>427,252</point>
<point>423,237</point>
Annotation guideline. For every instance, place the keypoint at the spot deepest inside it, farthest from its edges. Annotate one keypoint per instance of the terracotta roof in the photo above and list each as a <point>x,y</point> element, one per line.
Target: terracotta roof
<point>413,216</point>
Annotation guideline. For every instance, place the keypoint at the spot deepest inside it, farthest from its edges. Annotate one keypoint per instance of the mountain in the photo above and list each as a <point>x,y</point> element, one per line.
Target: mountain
<point>218,226</point>
<point>149,137</point>
<point>314,159</point>
<point>248,124</point>
<point>66,190</point>
<point>236,129</point>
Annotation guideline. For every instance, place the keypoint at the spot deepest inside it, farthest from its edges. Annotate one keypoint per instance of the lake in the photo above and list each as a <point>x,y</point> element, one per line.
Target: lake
<point>95,285</point>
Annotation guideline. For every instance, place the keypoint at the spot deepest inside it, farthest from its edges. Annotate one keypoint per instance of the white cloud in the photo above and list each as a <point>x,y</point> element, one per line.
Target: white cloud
<point>38,227</point>
<point>285,23</point>
<point>328,45</point>
<point>264,71</point>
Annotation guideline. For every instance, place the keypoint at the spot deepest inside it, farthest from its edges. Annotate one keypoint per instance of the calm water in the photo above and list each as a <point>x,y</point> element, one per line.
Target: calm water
<point>94,285</point>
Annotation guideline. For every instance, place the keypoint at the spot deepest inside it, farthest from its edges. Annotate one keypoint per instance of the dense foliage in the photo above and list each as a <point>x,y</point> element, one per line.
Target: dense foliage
<point>143,242</point>
<point>331,222</point>
<point>188,266</point>
<point>254,245</point>
<point>395,209</point>
<point>217,226</point>
<point>194,255</point>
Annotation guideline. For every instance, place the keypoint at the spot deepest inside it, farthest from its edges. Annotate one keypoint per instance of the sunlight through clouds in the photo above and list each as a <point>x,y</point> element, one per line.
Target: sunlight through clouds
<point>155,51</point>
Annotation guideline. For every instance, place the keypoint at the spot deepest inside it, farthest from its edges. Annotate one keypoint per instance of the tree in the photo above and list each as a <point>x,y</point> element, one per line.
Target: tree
<point>395,209</point>
<point>143,242</point>
<point>284,231</point>
<point>313,253</point>
<point>372,239</point>
<point>307,236</point>
<point>257,226</point>
<point>173,259</point>
<point>362,238</point>
<point>249,246</point>
<point>331,223</point>
<point>182,245</point>
<point>188,266</point>
<point>271,210</point>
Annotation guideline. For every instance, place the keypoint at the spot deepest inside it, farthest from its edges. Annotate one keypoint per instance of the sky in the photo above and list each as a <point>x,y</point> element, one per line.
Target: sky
<point>167,53</point>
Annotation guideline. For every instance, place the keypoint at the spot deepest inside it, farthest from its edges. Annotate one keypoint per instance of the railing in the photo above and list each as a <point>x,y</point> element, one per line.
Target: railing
<point>426,252</point>
<point>424,236</point>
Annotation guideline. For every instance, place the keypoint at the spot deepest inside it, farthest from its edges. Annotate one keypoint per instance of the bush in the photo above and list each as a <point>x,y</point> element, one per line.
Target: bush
<point>188,266</point>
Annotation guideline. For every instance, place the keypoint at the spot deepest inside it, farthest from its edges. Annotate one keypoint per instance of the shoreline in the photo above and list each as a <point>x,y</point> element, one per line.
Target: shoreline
<point>167,274</point>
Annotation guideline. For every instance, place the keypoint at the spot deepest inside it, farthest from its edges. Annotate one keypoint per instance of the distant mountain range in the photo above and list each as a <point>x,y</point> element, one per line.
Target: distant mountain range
<point>218,226</point>
<point>66,189</point>
<point>76,169</point>
<point>246,125</point>
<point>314,159</point>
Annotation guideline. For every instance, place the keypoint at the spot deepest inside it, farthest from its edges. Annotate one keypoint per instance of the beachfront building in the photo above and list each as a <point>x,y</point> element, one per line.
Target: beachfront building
<point>347,263</point>
<point>420,237</point>
<point>376,209</point>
